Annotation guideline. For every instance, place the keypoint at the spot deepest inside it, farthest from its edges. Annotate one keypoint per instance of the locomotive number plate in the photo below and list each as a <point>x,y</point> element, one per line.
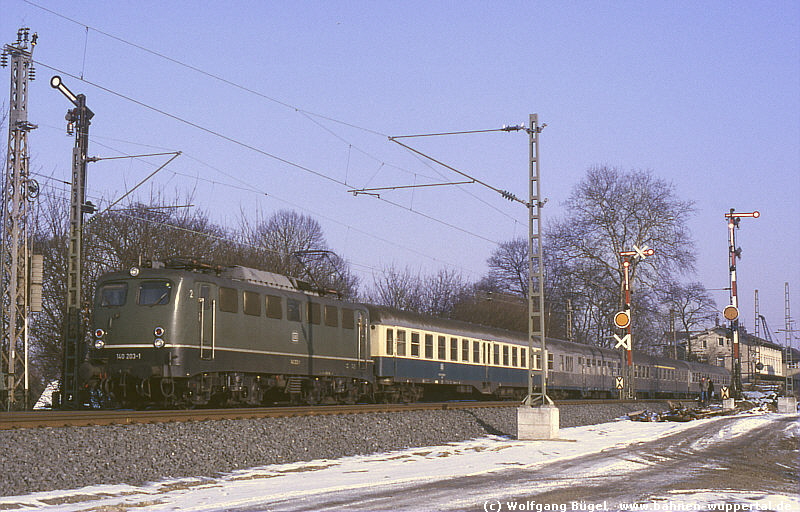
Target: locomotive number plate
<point>129,355</point>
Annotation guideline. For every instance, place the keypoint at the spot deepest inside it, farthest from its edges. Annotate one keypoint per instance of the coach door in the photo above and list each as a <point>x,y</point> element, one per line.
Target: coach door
<point>207,319</point>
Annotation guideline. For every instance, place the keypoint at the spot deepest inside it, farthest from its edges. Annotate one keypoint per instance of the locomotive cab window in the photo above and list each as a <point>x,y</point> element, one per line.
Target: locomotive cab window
<point>153,293</point>
<point>112,294</point>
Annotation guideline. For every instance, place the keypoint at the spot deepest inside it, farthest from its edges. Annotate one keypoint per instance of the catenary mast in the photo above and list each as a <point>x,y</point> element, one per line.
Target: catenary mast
<point>18,189</point>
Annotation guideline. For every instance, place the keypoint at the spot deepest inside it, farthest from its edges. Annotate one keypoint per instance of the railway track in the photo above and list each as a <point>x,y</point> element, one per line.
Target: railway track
<point>40,419</point>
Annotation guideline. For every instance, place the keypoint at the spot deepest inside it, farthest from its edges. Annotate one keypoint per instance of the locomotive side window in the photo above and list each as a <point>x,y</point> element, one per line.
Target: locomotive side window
<point>415,344</point>
<point>429,346</point>
<point>348,321</point>
<point>331,316</point>
<point>401,343</point>
<point>314,313</point>
<point>292,310</point>
<point>441,353</point>
<point>274,307</point>
<point>252,303</point>
<point>228,300</point>
<point>389,341</point>
<point>114,294</point>
<point>153,293</point>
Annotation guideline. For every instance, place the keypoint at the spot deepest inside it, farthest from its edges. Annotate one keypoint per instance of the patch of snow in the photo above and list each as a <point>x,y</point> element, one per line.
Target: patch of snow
<point>262,486</point>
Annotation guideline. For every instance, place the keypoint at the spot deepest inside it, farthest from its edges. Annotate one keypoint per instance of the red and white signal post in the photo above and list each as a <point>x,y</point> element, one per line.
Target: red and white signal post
<point>622,320</point>
<point>731,312</point>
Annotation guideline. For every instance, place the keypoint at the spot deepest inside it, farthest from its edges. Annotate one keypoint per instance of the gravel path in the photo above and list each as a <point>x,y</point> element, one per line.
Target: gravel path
<point>72,457</point>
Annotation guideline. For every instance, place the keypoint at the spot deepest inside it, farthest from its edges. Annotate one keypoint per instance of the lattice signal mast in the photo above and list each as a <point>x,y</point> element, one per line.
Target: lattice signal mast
<point>18,189</point>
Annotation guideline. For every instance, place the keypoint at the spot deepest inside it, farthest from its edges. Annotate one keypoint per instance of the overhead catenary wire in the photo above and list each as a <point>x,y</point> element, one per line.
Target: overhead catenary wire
<point>263,152</point>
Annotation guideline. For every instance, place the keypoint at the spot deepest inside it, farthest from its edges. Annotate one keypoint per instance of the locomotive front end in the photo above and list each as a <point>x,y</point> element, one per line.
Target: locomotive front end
<point>134,348</point>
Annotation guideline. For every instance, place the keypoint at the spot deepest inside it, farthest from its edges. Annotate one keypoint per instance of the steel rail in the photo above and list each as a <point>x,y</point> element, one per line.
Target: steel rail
<point>41,419</point>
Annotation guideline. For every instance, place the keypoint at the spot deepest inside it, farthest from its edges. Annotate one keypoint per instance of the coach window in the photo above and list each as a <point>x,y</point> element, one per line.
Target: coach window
<point>314,313</point>
<point>252,303</point>
<point>442,352</point>
<point>153,293</point>
<point>331,316</point>
<point>415,344</point>
<point>465,350</point>
<point>505,355</point>
<point>389,341</point>
<point>523,357</point>
<point>228,300</point>
<point>274,309</point>
<point>496,354</point>
<point>113,294</point>
<point>348,319</point>
<point>454,349</point>
<point>514,356</point>
<point>401,343</point>
<point>429,346</point>
<point>293,308</point>
<point>476,351</point>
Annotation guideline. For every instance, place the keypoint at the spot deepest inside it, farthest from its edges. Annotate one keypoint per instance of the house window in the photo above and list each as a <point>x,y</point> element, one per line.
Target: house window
<point>721,361</point>
<point>721,342</point>
<point>705,343</point>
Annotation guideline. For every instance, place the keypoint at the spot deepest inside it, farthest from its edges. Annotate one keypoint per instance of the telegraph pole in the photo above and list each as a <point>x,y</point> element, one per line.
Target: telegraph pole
<point>18,189</point>
<point>78,121</point>
<point>731,312</point>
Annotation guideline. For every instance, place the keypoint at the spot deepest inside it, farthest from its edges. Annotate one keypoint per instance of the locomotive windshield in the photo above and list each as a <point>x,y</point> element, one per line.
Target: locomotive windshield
<point>152,293</point>
<point>112,294</point>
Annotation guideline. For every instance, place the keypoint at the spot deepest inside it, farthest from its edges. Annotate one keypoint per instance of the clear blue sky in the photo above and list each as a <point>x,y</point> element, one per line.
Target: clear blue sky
<point>704,94</point>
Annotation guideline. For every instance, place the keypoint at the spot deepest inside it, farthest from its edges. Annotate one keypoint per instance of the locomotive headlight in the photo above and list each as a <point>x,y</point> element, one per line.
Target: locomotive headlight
<point>99,333</point>
<point>159,343</point>
<point>159,332</point>
<point>98,344</point>
<point>134,271</point>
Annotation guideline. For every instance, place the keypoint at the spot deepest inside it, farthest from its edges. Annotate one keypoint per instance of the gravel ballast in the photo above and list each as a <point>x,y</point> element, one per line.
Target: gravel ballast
<point>45,459</point>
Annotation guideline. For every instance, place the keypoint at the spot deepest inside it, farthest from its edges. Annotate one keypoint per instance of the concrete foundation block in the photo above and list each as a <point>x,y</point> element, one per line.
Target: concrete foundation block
<point>787,405</point>
<point>537,422</point>
<point>728,404</point>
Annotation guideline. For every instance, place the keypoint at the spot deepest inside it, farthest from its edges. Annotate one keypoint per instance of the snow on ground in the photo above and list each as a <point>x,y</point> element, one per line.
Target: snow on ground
<point>256,488</point>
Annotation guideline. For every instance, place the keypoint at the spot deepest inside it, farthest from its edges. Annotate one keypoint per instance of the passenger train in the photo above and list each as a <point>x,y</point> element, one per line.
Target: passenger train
<point>184,333</point>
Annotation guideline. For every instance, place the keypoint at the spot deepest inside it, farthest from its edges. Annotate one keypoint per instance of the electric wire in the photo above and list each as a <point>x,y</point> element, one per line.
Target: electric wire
<point>265,153</point>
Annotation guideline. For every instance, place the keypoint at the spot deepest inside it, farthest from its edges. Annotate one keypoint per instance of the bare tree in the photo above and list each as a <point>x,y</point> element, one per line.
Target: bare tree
<point>508,267</point>
<point>611,211</point>
<point>400,289</point>
<point>294,244</point>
